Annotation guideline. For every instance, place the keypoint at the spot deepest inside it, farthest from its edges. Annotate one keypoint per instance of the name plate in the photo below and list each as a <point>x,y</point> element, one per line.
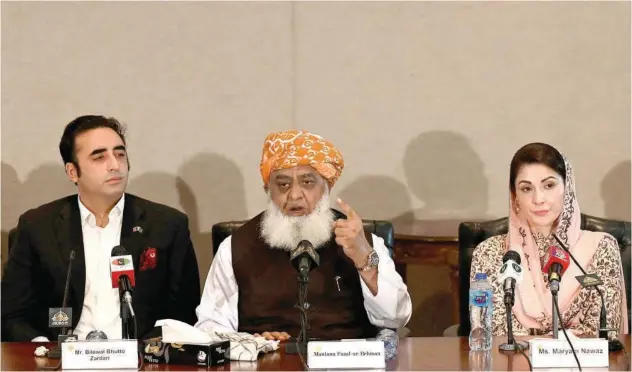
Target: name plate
<point>108,354</point>
<point>346,354</point>
<point>551,353</point>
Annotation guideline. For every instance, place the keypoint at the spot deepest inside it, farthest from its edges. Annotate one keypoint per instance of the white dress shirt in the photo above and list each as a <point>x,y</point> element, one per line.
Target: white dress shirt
<point>101,303</point>
<point>390,307</point>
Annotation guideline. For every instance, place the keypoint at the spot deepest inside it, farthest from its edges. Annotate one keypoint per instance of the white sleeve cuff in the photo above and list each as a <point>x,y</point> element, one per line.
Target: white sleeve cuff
<point>385,301</point>
<point>391,307</point>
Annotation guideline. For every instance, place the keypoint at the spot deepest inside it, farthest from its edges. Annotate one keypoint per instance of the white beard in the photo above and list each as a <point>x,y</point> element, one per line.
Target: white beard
<point>285,232</point>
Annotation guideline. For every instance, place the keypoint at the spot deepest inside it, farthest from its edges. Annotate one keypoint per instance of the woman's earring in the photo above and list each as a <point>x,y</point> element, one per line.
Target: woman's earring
<point>517,207</point>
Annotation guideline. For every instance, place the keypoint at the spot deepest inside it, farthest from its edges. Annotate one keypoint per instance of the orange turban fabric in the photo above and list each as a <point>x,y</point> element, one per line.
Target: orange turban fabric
<point>289,149</point>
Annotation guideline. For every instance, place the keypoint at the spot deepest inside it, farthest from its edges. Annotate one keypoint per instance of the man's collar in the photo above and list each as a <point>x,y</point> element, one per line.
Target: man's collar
<point>88,217</point>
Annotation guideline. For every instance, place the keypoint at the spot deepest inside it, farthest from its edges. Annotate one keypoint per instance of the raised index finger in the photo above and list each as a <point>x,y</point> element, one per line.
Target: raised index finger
<point>346,208</point>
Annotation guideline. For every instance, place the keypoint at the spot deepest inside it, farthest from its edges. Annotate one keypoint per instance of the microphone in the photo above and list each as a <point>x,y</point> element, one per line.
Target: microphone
<point>122,274</point>
<point>62,317</point>
<point>592,280</point>
<point>64,301</point>
<point>304,257</point>
<point>556,261</point>
<point>96,336</point>
<point>122,270</point>
<point>510,274</point>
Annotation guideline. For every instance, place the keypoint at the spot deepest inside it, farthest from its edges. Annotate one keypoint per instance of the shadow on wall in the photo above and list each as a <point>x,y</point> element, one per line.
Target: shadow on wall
<point>42,185</point>
<point>10,205</point>
<point>209,188</point>
<point>615,192</point>
<point>447,175</point>
<point>376,197</point>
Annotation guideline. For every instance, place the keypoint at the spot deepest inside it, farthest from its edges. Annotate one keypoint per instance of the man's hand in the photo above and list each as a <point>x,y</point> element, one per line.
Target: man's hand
<point>350,236</point>
<point>281,336</point>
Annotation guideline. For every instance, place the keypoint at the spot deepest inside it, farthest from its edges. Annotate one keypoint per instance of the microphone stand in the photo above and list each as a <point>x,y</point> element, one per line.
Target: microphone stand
<point>614,344</point>
<point>556,320</point>
<point>555,288</point>
<point>127,312</point>
<point>55,352</point>
<point>511,344</point>
<point>300,346</point>
<point>125,317</point>
<point>304,259</point>
<point>303,305</point>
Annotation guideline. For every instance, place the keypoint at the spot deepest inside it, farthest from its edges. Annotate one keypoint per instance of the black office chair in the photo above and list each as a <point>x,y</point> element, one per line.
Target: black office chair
<point>11,239</point>
<point>383,229</point>
<point>471,234</point>
<point>12,235</point>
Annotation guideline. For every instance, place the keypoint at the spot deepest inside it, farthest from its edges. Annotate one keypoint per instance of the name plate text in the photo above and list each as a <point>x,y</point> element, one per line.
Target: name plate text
<point>110,354</point>
<point>346,354</point>
<point>551,353</point>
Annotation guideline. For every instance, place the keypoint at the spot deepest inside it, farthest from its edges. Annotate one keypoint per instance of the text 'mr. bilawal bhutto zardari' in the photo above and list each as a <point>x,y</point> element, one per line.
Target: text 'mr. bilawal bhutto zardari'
<point>251,286</point>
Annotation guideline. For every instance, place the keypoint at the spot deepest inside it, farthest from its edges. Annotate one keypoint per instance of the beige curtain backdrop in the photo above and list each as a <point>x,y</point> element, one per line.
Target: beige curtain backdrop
<point>427,101</point>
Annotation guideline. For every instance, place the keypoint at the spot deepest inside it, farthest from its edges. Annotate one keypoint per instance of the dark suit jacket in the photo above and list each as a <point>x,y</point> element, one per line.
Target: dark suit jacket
<point>35,273</point>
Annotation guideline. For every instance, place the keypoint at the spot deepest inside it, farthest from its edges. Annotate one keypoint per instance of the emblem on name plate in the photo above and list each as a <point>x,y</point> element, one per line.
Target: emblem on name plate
<point>59,317</point>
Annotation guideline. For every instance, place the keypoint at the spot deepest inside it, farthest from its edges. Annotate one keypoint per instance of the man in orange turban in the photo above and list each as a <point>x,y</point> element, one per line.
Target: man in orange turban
<point>251,286</point>
<point>289,149</point>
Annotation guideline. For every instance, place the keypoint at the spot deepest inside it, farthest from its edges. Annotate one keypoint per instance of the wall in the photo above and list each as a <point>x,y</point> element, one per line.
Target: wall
<point>427,101</point>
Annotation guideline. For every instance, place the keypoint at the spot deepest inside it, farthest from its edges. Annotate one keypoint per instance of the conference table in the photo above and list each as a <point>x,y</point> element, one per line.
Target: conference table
<point>414,353</point>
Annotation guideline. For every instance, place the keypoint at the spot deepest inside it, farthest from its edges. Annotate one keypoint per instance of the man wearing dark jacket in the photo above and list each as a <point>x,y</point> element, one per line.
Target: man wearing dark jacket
<point>100,217</point>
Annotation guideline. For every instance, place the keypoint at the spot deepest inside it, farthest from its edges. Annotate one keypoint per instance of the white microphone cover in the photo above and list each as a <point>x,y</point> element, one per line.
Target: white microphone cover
<point>510,269</point>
